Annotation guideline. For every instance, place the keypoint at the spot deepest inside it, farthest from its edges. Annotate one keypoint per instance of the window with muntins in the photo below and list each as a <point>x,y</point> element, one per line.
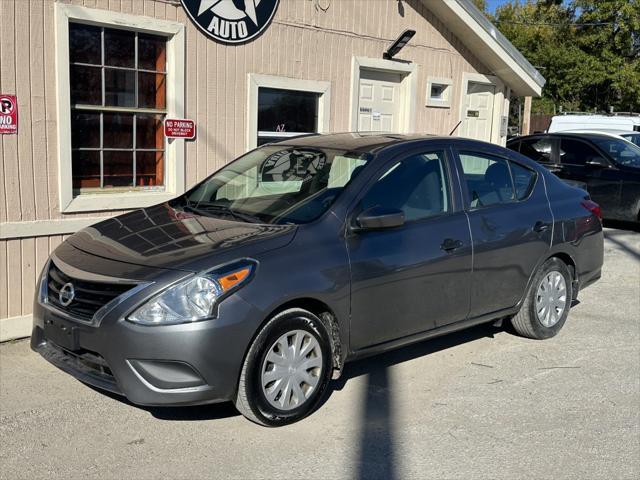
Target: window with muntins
<point>118,105</point>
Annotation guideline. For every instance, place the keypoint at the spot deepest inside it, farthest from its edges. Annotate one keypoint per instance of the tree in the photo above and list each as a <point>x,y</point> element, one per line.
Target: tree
<point>588,50</point>
<point>481,4</point>
<point>611,38</point>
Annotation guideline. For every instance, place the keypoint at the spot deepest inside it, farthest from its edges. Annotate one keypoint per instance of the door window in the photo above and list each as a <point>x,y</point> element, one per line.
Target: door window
<point>523,180</point>
<point>575,152</point>
<point>488,179</point>
<point>538,149</point>
<point>416,185</point>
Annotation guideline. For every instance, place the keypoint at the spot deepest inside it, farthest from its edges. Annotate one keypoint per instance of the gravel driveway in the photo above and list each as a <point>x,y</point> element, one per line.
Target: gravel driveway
<point>478,404</point>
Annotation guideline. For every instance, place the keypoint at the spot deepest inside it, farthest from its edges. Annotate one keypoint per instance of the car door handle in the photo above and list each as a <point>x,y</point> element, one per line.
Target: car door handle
<point>449,245</point>
<point>540,227</point>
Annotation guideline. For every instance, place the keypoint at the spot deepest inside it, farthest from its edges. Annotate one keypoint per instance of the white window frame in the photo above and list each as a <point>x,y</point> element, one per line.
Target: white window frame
<point>174,149</point>
<point>285,83</point>
<point>436,102</point>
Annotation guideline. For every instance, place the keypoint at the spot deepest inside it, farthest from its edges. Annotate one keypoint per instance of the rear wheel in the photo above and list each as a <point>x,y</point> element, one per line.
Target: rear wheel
<point>286,370</point>
<point>546,306</point>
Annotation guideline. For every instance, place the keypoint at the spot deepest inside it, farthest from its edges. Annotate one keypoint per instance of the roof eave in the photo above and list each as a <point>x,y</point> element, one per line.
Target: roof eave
<point>486,42</point>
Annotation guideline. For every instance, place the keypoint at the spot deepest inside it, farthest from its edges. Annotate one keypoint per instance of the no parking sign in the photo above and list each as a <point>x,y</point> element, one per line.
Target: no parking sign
<point>8,114</point>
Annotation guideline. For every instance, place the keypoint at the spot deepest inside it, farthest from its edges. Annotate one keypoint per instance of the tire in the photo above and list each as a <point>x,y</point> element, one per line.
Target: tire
<point>528,322</point>
<point>252,400</point>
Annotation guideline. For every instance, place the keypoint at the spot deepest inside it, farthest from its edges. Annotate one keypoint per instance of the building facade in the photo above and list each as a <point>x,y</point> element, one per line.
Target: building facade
<point>95,80</point>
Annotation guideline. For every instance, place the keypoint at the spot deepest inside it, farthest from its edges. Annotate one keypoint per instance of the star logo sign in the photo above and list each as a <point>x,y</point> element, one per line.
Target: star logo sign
<point>231,21</point>
<point>231,10</point>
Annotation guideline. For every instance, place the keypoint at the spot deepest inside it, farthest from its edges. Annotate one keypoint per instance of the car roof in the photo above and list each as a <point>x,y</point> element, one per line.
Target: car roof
<point>366,142</point>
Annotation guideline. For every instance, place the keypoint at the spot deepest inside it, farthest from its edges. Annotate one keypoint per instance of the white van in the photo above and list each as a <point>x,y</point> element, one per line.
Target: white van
<point>562,123</point>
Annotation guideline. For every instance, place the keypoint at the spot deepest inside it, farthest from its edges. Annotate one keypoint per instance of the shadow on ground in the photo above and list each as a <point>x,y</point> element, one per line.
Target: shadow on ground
<point>627,241</point>
<point>377,457</point>
<point>377,444</point>
<point>620,225</point>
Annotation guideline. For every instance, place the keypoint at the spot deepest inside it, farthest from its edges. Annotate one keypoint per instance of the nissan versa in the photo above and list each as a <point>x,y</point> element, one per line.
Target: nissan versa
<point>259,283</point>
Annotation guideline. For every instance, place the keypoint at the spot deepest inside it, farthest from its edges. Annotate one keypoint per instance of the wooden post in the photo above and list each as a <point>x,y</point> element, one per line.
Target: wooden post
<point>526,118</point>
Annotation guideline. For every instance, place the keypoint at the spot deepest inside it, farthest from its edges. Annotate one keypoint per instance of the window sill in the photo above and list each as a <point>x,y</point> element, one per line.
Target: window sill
<point>435,103</point>
<point>116,201</point>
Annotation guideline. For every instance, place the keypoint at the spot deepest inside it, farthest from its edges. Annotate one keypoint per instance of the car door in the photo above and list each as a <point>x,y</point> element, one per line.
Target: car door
<point>510,226</point>
<point>416,277</point>
<point>602,180</point>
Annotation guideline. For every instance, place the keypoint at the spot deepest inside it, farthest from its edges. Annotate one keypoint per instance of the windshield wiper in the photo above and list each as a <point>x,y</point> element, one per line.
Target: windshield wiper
<point>204,208</point>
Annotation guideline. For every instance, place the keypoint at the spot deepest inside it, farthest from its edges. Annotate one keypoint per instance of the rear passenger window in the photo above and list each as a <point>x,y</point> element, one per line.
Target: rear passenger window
<point>488,179</point>
<point>523,180</point>
<point>538,149</point>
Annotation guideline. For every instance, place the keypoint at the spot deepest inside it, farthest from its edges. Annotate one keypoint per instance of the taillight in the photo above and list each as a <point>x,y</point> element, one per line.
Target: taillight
<point>593,207</point>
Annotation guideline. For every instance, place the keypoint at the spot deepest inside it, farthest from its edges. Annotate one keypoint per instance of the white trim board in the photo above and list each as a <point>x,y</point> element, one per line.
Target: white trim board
<point>408,88</point>
<point>13,328</point>
<point>255,81</point>
<point>45,228</point>
<point>174,151</point>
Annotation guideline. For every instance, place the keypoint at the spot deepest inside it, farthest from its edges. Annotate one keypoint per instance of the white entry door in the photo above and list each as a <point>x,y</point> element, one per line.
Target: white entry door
<point>379,102</point>
<point>477,117</point>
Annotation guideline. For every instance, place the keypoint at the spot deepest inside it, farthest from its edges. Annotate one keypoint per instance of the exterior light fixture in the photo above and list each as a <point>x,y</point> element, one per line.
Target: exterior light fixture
<point>400,42</point>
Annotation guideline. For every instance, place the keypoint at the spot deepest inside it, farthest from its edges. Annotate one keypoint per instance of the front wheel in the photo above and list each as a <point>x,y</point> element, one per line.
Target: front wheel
<point>547,303</point>
<point>286,370</point>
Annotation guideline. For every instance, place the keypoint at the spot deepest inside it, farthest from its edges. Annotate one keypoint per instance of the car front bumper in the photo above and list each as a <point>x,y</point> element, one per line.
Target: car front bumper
<point>186,364</point>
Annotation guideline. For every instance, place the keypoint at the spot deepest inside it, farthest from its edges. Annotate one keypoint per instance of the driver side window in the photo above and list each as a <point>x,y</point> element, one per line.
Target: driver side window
<point>416,185</point>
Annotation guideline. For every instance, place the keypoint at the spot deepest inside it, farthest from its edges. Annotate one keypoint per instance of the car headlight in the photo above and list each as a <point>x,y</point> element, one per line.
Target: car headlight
<point>195,298</point>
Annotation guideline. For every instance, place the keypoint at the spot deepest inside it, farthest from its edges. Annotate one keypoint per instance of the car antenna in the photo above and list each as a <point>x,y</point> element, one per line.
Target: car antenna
<point>455,128</point>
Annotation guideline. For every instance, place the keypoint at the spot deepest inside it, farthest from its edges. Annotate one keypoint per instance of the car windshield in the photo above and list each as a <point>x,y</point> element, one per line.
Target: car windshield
<point>623,152</point>
<point>276,184</point>
<point>632,137</point>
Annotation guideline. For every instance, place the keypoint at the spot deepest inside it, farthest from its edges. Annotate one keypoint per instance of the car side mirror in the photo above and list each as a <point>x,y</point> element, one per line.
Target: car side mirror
<point>597,162</point>
<point>379,218</point>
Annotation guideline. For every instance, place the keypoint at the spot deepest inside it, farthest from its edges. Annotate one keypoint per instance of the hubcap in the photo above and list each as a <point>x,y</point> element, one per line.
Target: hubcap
<point>551,299</point>
<point>291,370</point>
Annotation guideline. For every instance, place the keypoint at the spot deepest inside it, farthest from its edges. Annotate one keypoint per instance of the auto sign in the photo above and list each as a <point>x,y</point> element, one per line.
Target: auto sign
<point>231,21</point>
<point>8,114</point>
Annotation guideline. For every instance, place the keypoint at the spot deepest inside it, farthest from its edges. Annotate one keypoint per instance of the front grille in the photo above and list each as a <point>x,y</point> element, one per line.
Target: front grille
<point>89,296</point>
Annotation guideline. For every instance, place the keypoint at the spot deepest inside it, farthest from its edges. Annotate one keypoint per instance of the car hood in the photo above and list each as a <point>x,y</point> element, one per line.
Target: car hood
<point>168,238</point>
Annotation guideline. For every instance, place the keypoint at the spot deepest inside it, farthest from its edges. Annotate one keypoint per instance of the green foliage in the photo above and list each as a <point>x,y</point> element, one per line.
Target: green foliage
<point>588,50</point>
<point>481,4</point>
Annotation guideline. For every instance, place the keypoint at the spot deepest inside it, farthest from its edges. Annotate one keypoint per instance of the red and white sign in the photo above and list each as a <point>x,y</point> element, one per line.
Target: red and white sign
<point>8,114</point>
<point>180,128</point>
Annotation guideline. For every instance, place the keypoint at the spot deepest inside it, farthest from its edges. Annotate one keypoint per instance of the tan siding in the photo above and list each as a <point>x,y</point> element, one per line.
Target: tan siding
<point>4,290</point>
<point>13,205</point>
<point>38,110</point>
<point>303,42</point>
<point>51,112</point>
<point>28,254</point>
<point>14,273</point>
